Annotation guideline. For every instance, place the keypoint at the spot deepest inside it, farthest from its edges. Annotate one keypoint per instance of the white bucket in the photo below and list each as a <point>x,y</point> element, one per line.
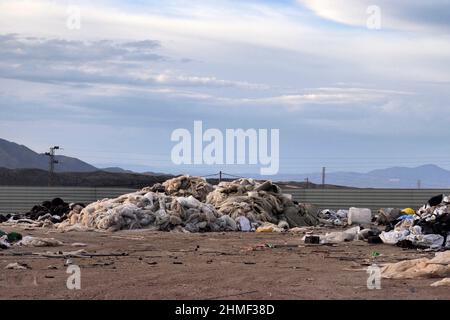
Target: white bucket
<point>359,216</point>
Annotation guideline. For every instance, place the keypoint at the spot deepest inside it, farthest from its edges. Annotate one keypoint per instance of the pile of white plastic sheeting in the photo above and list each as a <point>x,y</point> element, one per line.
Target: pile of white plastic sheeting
<point>186,186</point>
<point>144,209</point>
<point>259,202</point>
<point>241,205</point>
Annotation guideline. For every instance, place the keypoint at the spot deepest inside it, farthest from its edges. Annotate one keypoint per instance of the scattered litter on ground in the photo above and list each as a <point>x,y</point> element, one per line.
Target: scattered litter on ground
<point>336,218</point>
<point>78,244</point>
<point>17,266</point>
<point>9,239</point>
<point>30,241</point>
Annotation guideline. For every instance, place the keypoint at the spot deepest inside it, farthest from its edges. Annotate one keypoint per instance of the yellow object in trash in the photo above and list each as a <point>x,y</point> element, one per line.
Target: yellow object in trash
<point>265,229</point>
<point>409,211</point>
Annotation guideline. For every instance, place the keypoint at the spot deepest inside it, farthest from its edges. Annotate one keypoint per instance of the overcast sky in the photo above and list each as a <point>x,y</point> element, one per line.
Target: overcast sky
<point>343,95</point>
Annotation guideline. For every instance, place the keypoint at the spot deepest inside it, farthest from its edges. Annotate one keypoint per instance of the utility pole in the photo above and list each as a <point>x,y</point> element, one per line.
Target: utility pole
<point>307,183</point>
<point>51,164</point>
<point>323,176</point>
<point>220,176</point>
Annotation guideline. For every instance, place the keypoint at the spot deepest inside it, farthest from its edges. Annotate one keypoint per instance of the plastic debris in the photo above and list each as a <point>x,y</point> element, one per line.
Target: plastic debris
<point>244,224</point>
<point>336,218</point>
<point>438,267</point>
<point>17,266</point>
<point>30,241</point>
<point>186,186</point>
<point>344,236</point>
<point>441,283</point>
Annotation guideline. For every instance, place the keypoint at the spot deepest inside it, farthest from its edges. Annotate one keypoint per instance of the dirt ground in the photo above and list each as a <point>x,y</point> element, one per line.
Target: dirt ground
<point>158,265</point>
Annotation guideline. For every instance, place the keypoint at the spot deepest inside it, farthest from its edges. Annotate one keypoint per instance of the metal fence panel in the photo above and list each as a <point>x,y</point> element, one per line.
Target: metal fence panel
<point>365,198</point>
<point>22,199</point>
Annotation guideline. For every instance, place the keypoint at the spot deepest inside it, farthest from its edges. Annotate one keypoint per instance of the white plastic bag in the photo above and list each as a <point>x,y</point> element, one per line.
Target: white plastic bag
<point>244,224</point>
<point>337,237</point>
<point>392,237</point>
<point>432,241</point>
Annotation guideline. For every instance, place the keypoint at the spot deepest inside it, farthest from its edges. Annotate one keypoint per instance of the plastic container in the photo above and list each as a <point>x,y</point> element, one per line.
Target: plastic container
<point>359,216</point>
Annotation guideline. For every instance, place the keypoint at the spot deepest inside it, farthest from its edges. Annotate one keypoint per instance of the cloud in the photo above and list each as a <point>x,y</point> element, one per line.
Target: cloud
<point>102,62</point>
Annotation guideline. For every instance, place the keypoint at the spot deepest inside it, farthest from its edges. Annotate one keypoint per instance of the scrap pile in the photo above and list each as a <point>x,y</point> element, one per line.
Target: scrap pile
<point>45,214</point>
<point>147,209</point>
<point>260,202</point>
<point>189,204</point>
<point>428,227</point>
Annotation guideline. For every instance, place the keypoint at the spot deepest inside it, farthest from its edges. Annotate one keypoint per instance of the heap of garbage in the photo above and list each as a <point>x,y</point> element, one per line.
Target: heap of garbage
<point>191,204</point>
<point>45,214</point>
<point>428,227</point>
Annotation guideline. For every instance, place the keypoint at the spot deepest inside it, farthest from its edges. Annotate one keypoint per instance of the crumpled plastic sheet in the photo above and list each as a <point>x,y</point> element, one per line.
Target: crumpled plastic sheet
<point>437,267</point>
<point>351,234</point>
<point>259,202</point>
<point>29,241</point>
<point>186,186</point>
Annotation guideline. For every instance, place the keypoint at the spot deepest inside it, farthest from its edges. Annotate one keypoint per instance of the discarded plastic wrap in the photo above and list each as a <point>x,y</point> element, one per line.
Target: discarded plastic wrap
<point>344,236</point>
<point>186,186</point>
<point>244,224</point>
<point>432,241</point>
<point>438,267</point>
<point>29,241</point>
<point>392,237</point>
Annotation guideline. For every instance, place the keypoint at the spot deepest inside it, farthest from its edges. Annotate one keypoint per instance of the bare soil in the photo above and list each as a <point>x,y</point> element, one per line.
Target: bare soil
<point>159,265</point>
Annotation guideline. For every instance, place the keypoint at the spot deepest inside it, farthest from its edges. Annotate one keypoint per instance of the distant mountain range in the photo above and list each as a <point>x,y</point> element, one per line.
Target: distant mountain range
<point>428,176</point>
<point>15,156</point>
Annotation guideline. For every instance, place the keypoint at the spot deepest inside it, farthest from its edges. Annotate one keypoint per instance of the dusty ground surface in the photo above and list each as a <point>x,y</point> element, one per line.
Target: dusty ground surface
<point>212,266</point>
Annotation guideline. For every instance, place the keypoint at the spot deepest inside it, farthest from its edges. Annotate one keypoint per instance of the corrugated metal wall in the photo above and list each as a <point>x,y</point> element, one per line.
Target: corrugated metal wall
<point>365,198</point>
<point>22,199</point>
